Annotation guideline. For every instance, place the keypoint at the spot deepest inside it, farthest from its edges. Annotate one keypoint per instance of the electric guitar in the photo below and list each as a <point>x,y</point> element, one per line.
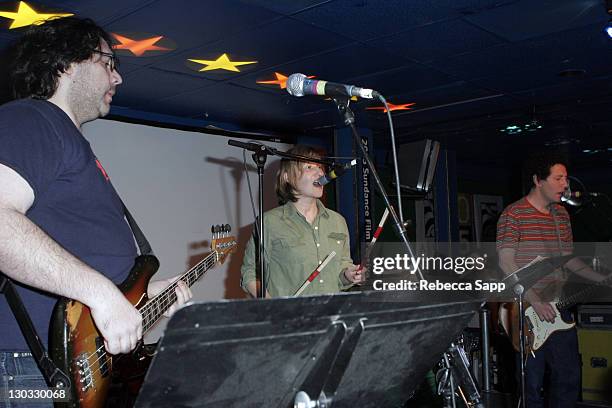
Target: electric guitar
<point>536,330</point>
<point>78,348</point>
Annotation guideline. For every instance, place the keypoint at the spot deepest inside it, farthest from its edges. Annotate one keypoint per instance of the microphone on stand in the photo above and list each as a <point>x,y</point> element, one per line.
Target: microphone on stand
<point>335,172</point>
<point>300,85</point>
<point>578,194</point>
<point>575,198</point>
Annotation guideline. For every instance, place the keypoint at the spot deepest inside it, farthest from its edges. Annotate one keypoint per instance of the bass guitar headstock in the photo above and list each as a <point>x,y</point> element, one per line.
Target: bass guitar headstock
<point>222,242</point>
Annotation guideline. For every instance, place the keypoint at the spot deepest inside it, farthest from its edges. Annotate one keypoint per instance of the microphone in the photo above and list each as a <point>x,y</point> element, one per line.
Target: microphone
<point>574,198</point>
<point>335,172</point>
<point>300,85</point>
<point>567,194</point>
<point>254,147</point>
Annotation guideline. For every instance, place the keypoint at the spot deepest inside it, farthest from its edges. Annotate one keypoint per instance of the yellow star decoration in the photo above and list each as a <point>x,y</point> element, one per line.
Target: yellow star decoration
<point>138,47</point>
<point>223,62</point>
<point>26,16</point>
<point>392,107</point>
<point>281,80</point>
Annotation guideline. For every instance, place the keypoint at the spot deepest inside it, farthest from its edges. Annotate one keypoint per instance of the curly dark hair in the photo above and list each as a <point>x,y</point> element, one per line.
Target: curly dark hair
<point>291,170</point>
<point>45,51</point>
<point>538,164</point>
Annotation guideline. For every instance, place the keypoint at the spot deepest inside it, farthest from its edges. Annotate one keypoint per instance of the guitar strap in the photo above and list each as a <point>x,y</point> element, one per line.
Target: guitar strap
<point>565,273</point>
<point>141,240</point>
<point>52,374</point>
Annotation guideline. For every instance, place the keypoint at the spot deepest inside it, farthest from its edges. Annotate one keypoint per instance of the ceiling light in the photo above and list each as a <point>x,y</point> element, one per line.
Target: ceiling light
<point>514,129</point>
<point>511,129</point>
<point>608,28</point>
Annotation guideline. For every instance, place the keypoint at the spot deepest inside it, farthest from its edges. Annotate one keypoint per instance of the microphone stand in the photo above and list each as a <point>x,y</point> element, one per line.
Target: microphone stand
<point>260,157</point>
<point>349,119</point>
<point>519,291</point>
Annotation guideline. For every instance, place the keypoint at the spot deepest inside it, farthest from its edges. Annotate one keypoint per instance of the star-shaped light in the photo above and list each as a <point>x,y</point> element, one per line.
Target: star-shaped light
<point>138,47</point>
<point>392,107</point>
<point>223,62</point>
<point>281,80</point>
<point>26,16</point>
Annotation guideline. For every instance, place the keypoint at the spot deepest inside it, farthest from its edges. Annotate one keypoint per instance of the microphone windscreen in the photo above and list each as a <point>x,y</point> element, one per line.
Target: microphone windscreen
<point>295,84</point>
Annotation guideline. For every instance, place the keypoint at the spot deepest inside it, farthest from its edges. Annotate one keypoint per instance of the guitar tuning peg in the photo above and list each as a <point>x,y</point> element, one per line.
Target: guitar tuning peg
<point>228,228</point>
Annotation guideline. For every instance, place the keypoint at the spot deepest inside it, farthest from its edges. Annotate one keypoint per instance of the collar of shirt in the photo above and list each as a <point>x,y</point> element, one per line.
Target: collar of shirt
<point>289,210</point>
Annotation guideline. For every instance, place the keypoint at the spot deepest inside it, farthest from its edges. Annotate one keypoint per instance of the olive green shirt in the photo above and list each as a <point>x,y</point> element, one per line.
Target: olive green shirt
<point>294,248</point>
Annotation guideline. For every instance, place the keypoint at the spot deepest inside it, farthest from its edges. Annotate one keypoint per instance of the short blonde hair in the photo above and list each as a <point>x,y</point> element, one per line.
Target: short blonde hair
<point>291,170</point>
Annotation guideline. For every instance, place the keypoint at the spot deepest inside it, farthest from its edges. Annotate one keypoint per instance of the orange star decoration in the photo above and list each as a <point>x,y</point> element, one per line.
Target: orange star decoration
<point>281,80</point>
<point>392,107</point>
<point>223,62</point>
<point>138,47</point>
<point>26,15</point>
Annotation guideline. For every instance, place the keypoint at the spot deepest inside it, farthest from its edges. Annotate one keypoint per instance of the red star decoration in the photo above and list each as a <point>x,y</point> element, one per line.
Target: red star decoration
<point>281,80</point>
<point>138,47</point>
<point>392,107</point>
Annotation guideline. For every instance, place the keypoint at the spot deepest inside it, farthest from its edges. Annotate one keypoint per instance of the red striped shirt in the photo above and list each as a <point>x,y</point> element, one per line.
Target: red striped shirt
<point>531,233</point>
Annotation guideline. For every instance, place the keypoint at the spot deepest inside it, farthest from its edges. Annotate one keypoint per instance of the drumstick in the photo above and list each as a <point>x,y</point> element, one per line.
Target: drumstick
<point>380,226</point>
<point>376,234</point>
<point>315,273</point>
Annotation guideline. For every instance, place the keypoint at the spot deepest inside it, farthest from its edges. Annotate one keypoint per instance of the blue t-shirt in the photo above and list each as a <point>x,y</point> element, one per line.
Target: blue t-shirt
<point>75,202</point>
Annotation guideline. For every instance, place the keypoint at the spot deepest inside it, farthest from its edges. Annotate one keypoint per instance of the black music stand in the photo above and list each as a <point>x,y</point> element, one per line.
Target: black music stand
<point>528,275</point>
<point>366,349</point>
<point>520,281</point>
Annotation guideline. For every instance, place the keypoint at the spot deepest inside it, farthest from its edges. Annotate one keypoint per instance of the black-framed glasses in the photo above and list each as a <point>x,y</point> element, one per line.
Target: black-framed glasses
<point>113,61</point>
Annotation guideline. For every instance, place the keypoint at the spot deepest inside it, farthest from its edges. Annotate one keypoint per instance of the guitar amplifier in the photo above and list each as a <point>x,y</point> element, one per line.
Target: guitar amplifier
<point>594,342</point>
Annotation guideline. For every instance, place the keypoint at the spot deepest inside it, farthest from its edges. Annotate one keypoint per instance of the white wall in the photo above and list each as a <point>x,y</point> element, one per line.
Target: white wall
<point>177,184</point>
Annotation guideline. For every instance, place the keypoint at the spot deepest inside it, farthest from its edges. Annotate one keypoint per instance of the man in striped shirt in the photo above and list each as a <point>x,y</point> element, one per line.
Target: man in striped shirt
<point>537,225</point>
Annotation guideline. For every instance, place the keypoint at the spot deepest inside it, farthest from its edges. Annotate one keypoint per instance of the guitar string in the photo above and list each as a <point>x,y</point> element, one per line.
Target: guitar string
<point>205,264</point>
<point>147,310</point>
<point>570,300</point>
<point>164,299</point>
<point>102,354</point>
<point>151,310</point>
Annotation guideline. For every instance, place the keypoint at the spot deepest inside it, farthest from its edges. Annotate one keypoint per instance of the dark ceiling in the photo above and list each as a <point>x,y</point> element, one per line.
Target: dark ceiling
<point>471,67</point>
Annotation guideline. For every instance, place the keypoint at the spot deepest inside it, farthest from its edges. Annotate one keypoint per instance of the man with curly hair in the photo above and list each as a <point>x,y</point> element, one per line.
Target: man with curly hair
<point>538,225</point>
<point>62,225</point>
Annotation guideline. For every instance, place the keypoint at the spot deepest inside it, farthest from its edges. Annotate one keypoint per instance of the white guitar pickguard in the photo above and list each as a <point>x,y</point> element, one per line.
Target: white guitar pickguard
<point>542,330</point>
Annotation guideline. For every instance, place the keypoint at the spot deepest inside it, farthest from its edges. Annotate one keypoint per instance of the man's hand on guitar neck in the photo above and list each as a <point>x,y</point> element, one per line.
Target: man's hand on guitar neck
<point>183,292</point>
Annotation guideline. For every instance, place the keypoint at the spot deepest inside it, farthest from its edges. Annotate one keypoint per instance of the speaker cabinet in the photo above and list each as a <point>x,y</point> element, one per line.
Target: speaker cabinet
<point>595,344</point>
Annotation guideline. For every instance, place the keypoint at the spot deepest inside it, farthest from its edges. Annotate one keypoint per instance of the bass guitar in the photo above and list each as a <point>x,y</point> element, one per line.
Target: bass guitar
<point>77,347</point>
